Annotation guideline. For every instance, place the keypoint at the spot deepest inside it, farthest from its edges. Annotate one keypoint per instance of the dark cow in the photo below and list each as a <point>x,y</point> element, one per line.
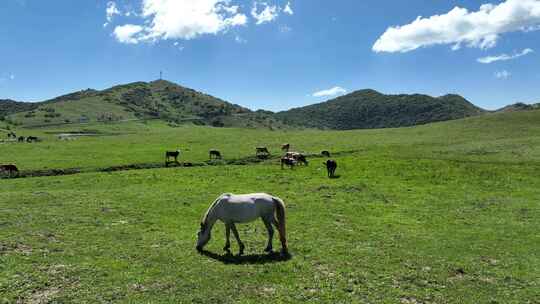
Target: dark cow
<point>31,139</point>
<point>262,152</point>
<point>10,169</point>
<point>171,155</point>
<point>285,147</point>
<point>325,153</point>
<point>331,166</point>
<point>287,161</point>
<point>215,154</point>
<point>21,139</point>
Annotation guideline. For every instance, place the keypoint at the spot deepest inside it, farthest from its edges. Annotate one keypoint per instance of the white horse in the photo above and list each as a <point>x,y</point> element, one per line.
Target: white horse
<point>232,209</point>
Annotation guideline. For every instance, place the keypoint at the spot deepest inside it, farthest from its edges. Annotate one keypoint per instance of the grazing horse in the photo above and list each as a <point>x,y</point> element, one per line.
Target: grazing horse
<point>325,153</point>
<point>285,147</point>
<point>232,209</point>
<point>21,139</point>
<point>287,161</point>
<point>215,154</point>
<point>171,154</point>
<point>262,152</point>
<point>30,139</point>
<point>10,169</point>
<point>331,166</point>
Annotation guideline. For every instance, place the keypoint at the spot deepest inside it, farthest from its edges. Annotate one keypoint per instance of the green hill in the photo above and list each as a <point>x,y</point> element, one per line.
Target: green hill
<point>164,100</point>
<point>8,107</point>
<point>139,101</point>
<point>520,107</point>
<point>369,109</point>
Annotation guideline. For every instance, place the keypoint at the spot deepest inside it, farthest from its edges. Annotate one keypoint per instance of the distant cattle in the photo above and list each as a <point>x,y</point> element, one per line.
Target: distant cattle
<point>298,157</point>
<point>31,139</point>
<point>285,147</point>
<point>262,152</point>
<point>325,153</point>
<point>331,166</point>
<point>171,155</point>
<point>12,135</point>
<point>214,154</point>
<point>10,169</point>
<point>21,139</point>
<point>288,161</point>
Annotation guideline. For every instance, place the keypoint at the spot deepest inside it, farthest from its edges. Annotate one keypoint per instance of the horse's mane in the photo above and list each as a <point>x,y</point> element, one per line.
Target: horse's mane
<point>205,217</point>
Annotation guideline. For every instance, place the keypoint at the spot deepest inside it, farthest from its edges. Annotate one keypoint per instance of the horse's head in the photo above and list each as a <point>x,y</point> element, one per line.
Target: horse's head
<point>203,236</point>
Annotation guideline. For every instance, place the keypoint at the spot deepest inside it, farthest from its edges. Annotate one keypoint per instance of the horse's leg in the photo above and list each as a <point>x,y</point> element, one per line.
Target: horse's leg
<point>237,237</point>
<point>282,237</point>
<point>268,223</point>
<point>227,238</point>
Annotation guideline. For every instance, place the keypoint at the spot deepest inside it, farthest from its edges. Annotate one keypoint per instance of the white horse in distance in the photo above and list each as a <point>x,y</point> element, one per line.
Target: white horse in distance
<point>232,209</point>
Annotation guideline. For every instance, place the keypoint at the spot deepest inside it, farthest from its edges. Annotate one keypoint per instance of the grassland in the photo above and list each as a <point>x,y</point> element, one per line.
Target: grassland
<point>441,213</point>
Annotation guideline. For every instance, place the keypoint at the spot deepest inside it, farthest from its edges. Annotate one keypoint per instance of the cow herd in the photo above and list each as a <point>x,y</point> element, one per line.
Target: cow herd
<point>289,159</point>
<point>12,137</point>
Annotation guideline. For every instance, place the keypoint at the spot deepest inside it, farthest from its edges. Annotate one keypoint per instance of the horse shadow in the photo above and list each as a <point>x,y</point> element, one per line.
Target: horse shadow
<point>229,258</point>
<point>335,176</point>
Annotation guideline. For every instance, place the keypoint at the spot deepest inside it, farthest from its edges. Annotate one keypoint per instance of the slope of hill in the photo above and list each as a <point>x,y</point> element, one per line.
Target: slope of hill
<point>369,109</point>
<point>366,109</point>
<point>8,107</point>
<point>519,107</point>
<point>140,100</point>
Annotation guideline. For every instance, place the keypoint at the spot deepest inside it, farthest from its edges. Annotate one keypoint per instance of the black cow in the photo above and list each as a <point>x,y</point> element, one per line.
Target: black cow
<point>331,166</point>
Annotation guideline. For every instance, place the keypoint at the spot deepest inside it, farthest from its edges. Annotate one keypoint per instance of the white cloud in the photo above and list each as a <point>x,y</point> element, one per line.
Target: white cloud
<point>480,29</point>
<point>111,11</point>
<point>285,29</point>
<point>335,91</point>
<point>240,40</point>
<point>128,33</point>
<point>267,14</point>
<point>182,19</point>
<point>504,74</point>
<point>288,9</point>
<point>504,57</point>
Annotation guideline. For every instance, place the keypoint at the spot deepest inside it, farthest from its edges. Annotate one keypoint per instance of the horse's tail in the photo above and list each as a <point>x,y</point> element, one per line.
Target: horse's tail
<point>280,215</point>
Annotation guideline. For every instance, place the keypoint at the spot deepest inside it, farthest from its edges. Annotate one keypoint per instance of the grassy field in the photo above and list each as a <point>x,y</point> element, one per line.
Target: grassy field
<point>441,213</point>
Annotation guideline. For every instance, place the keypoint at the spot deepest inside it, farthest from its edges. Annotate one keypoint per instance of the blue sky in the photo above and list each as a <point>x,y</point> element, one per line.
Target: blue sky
<point>274,54</point>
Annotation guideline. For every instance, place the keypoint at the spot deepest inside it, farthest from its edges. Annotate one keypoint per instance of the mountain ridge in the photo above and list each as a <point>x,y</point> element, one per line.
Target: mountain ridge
<point>162,99</point>
<point>369,109</point>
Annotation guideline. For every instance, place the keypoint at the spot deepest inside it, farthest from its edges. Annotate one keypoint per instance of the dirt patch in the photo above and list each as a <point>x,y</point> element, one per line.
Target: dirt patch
<point>43,296</point>
<point>16,248</point>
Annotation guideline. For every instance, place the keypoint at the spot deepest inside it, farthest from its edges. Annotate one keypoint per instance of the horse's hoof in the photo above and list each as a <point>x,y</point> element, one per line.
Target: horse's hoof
<point>268,249</point>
